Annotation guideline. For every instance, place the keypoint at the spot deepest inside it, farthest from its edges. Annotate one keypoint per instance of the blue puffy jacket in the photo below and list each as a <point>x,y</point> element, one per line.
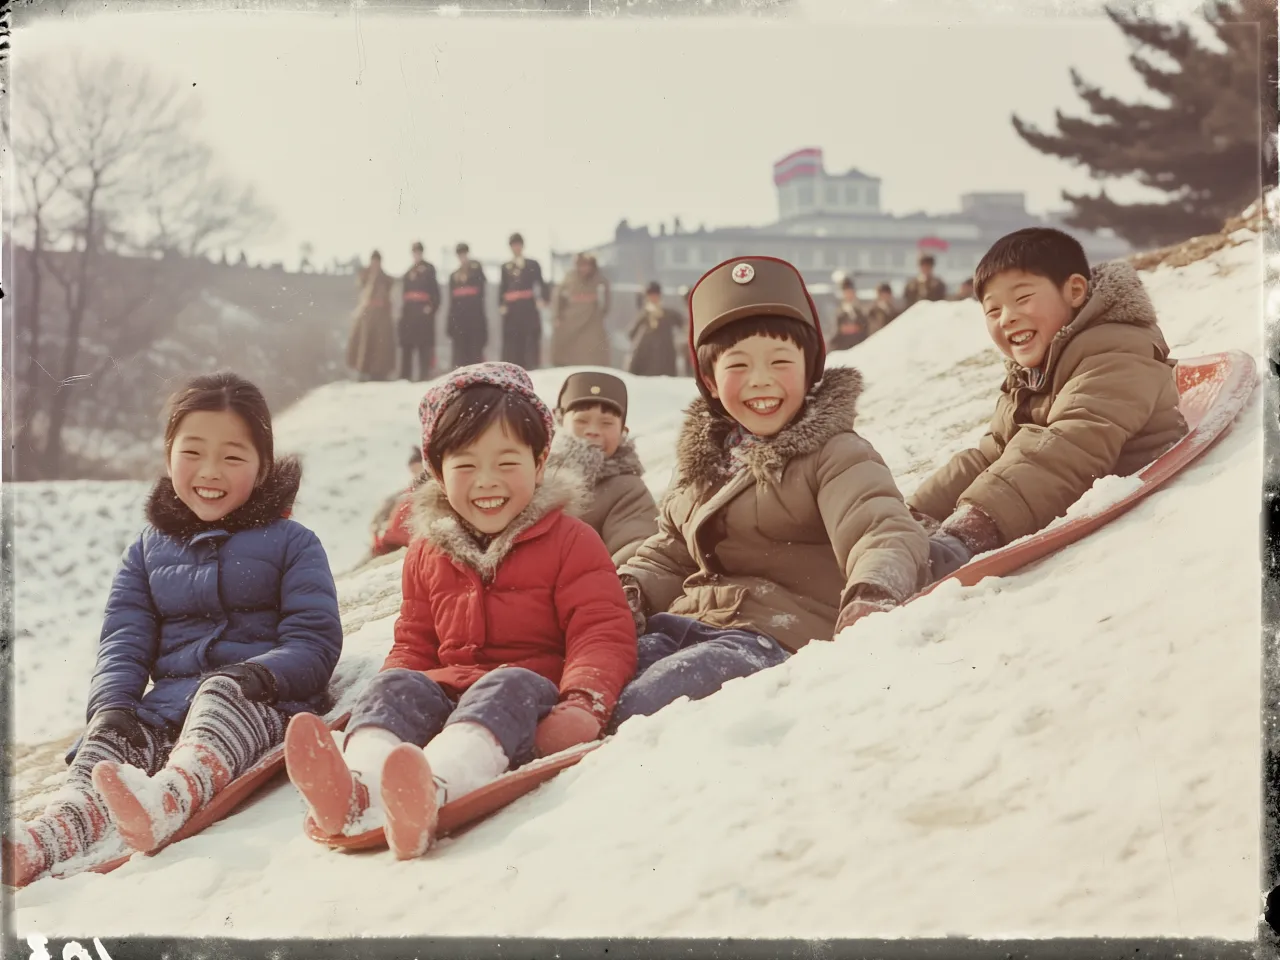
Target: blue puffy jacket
<point>192,598</point>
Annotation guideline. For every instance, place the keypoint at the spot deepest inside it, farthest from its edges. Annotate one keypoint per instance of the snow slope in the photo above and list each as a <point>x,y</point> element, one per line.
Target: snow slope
<point>1070,751</point>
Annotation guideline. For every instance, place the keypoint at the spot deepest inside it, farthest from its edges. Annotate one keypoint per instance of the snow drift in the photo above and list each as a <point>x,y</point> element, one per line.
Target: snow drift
<point>1070,751</point>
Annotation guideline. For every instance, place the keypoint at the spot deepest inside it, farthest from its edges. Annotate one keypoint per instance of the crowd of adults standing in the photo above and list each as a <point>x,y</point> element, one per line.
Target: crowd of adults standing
<point>579,305</point>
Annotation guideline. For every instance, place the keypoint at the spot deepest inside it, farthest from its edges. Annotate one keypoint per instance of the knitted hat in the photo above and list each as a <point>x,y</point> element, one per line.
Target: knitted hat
<point>506,376</point>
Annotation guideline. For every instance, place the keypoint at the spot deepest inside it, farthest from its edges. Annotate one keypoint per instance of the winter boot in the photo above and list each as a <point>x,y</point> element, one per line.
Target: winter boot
<point>317,768</point>
<point>409,802</point>
<point>67,828</point>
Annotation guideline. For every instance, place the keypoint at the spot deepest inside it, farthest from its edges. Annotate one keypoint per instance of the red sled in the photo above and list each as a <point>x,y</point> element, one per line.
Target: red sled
<point>474,807</point>
<point>223,805</point>
<point>1212,392</point>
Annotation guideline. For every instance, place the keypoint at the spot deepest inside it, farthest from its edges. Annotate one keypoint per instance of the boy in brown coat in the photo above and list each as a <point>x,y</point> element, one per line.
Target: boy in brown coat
<point>782,524</point>
<point>1089,391</point>
<point>593,408</point>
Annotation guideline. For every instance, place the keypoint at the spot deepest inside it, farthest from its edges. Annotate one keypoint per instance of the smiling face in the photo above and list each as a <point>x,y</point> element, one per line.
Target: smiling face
<point>491,480</point>
<point>598,425</point>
<point>761,383</point>
<point>1025,311</point>
<point>213,463</point>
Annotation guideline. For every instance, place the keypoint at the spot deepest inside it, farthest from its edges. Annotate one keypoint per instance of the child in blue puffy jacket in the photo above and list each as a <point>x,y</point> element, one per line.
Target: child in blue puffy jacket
<point>226,606</point>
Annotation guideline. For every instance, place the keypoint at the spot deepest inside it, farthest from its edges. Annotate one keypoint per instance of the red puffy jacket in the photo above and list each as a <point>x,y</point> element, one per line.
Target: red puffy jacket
<point>544,596</point>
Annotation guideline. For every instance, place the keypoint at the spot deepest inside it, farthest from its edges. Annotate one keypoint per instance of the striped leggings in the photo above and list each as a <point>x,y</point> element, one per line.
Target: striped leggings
<point>221,720</point>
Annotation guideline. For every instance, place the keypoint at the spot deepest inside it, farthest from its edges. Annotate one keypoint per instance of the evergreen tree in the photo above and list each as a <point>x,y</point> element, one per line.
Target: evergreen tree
<point>1208,140</point>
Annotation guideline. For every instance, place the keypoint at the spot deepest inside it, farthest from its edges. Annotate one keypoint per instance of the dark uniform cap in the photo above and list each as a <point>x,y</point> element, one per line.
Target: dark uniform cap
<point>461,248</point>
<point>417,247</point>
<point>514,239</point>
<point>750,287</point>
<point>653,287</point>
<point>593,387</point>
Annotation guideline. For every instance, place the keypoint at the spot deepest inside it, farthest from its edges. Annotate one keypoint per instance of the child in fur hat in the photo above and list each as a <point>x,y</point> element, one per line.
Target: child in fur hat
<point>782,525</point>
<point>514,637</point>
<point>593,410</point>
<point>1089,391</point>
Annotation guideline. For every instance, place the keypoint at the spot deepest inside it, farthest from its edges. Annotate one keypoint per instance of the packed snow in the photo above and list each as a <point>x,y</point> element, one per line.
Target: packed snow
<point>1069,751</point>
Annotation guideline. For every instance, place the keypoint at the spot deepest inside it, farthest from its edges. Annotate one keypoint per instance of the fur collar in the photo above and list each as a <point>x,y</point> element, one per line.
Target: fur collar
<point>1116,295</point>
<point>270,501</point>
<point>573,453</point>
<point>829,410</point>
<point>432,519</point>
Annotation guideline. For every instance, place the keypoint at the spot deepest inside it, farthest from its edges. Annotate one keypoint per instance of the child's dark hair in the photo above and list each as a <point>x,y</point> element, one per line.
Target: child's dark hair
<point>475,410</point>
<point>593,405</point>
<point>801,334</point>
<point>220,392</point>
<point>1042,251</point>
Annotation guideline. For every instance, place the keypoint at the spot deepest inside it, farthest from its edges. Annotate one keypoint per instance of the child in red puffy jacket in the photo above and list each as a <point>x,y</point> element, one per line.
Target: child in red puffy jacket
<point>514,637</point>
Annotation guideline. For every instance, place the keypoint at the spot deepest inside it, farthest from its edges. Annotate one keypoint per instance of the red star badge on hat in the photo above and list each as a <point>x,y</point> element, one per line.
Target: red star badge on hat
<point>743,273</point>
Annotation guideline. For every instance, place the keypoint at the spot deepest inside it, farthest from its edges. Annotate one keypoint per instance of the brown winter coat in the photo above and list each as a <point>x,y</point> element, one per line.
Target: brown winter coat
<point>1107,404</point>
<point>579,337</point>
<point>371,348</point>
<point>621,509</point>
<point>782,546</point>
<point>932,289</point>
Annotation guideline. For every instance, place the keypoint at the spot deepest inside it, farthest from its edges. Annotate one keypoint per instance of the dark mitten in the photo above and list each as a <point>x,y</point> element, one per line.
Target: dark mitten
<point>635,601</point>
<point>257,683</point>
<point>947,554</point>
<point>122,722</point>
<point>972,527</point>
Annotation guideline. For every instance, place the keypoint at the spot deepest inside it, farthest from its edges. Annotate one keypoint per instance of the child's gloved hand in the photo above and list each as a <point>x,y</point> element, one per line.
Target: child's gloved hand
<point>257,683</point>
<point>965,534</point>
<point>865,601</point>
<point>570,722</point>
<point>947,554</point>
<point>635,601</point>
<point>122,722</point>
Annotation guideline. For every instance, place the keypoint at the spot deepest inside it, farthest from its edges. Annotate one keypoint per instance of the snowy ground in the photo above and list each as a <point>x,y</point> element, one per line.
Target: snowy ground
<point>1070,751</point>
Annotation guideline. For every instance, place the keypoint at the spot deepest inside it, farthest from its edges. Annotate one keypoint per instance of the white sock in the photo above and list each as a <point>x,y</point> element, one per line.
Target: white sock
<point>464,757</point>
<point>366,751</point>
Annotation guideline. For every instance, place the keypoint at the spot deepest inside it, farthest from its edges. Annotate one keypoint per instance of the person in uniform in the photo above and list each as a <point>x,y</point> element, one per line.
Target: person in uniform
<point>924,286</point>
<point>521,323</point>
<point>467,325</point>
<point>883,309</point>
<point>653,336</point>
<point>419,300</point>
<point>852,323</point>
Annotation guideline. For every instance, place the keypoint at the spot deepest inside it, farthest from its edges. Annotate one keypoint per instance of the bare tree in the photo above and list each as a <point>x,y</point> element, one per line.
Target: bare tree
<point>109,166</point>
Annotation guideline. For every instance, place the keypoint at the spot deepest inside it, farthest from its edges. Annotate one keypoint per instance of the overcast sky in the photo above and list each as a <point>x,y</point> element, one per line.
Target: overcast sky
<point>365,129</point>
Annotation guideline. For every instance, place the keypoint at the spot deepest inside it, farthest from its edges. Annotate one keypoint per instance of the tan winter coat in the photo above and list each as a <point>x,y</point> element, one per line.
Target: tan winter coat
<point>1108,404</point>
<point>579,337</point>
<point>371,348</point>
<point>784,544</point>
<point>621,508</point>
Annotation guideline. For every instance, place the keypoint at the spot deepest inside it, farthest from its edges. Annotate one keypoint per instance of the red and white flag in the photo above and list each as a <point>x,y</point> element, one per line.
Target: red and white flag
<point>802,163</point>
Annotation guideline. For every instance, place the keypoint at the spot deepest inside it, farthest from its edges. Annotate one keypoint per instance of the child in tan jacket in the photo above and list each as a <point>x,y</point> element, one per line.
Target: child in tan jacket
<point>1089,391</point>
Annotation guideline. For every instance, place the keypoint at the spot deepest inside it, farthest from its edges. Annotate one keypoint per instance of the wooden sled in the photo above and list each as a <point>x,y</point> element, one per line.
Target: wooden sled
<point>472,808</point>
<point>1213,390</point>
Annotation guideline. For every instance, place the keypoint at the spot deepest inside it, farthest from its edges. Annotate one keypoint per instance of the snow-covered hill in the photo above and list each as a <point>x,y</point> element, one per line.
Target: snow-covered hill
<point>1070,751</point>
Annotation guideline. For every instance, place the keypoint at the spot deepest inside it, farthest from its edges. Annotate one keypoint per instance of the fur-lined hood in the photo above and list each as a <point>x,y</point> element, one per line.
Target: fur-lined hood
<point>270,501</point>
<point>1116,295</point>
<point>576,454</point>
<point>830,409</point>
<point>432,519</point>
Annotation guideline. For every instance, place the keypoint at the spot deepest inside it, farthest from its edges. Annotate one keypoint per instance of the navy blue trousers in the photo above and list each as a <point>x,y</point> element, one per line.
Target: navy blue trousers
<point>682,657</point>
<point>508,702</point>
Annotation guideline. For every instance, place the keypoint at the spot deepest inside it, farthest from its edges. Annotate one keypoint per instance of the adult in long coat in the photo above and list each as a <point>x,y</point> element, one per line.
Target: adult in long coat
<point>371,348</point>
<point>579,337</point>
<point>653,337</point>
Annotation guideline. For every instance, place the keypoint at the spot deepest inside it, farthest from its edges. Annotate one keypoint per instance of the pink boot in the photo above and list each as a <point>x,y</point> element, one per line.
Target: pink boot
<point>316,767</point>
<point>409,802</point>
